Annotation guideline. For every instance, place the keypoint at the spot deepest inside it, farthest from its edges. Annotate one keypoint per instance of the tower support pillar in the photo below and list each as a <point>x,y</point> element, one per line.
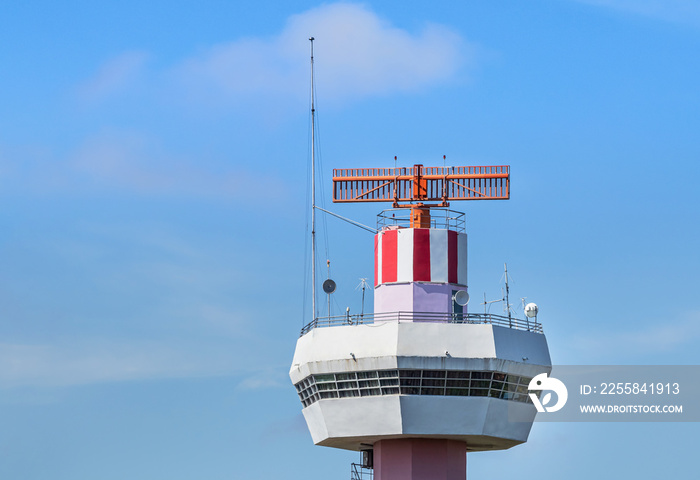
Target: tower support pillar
<point>420,459</point>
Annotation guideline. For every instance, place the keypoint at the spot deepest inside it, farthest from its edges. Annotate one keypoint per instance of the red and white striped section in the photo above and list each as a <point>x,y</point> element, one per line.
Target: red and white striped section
<point>420,255</point>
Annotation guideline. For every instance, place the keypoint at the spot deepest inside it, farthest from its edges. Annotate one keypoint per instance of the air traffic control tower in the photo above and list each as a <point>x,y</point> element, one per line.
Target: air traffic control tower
<point>421,381</point>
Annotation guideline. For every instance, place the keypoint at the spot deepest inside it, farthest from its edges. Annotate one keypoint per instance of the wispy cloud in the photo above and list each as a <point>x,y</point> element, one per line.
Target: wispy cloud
<point>113,76</point>
<point>135,163</point>
<point>651,341</point>
<point>42,365</point>
<point>124,161</point>
<point>359,54</point>
<point>266,378</point>
<point>681,11</point>
<point>131,302</point>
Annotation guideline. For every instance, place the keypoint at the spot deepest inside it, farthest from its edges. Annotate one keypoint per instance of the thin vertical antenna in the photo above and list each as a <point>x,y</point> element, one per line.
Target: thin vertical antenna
<point>510,321</point>
<point>362,285</point>
<point>313,189</point>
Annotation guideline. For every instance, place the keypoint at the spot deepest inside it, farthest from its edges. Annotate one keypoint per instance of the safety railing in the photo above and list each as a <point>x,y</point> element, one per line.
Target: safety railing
<point>439,218</point>
<point>358,472</point>
<point>429,317</point>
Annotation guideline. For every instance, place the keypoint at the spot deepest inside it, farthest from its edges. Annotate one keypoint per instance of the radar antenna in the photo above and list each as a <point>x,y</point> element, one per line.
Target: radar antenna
<point>416,185</point>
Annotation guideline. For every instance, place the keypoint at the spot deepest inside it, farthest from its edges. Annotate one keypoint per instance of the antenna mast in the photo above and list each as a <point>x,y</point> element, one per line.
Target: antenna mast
<point>362,285</point>
<point>510,320</point>
<point>313,189</point>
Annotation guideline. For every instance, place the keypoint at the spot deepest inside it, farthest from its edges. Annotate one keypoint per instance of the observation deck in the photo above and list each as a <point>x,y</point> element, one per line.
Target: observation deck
<point>413,375</point>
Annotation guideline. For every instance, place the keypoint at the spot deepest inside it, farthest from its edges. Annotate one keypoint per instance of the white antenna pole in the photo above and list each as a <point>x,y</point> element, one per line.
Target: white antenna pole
<point>313,189</point>
<point>364,285</point>
<point>510,321</point>
<point>329,295</point>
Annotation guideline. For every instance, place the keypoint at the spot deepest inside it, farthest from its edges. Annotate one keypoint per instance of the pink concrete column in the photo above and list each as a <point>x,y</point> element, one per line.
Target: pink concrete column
<point>420,459</point>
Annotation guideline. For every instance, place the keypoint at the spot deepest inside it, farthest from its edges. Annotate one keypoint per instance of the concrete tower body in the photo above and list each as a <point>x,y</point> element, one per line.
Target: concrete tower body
<point>421,381</point>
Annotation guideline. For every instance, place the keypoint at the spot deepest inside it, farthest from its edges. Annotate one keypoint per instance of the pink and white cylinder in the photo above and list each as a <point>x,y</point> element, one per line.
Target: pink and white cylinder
<point>419,270</point>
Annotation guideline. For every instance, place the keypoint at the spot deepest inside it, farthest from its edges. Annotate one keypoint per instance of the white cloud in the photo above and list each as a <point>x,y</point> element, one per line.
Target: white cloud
<point>135,163</point>
<point>113,76</point>
<point>357,54</point>
<point>682,11</point>
<point>126,161</point>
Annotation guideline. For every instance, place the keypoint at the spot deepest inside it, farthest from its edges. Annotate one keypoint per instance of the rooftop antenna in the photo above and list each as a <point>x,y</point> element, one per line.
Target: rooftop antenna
<point>363,286</point>
<point>313,190</point>
<point>329,286</point>
<point>502,299</point>
<point>531,310</point>
<point>510,320</point>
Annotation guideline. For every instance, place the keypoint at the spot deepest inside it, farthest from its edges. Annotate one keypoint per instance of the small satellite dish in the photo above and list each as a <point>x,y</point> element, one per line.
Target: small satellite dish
<point>329,286</point>
<point>531,310</point>
<point>461,298</point>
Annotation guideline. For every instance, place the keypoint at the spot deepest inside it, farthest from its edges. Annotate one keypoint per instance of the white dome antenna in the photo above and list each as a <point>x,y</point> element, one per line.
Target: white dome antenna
<point>531,310</point>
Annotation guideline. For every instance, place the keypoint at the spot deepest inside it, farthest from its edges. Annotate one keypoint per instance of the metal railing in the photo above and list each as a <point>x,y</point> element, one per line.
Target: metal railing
<point>439,218</point>
<point>429,317</point>
<point>358,472</point>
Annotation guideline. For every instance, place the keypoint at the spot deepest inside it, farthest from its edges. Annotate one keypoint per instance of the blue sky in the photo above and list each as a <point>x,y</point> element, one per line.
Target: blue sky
<point>153,169</point>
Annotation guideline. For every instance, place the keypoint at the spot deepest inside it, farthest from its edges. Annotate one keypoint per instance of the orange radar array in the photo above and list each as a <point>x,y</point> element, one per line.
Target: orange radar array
<point>421,184</point>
